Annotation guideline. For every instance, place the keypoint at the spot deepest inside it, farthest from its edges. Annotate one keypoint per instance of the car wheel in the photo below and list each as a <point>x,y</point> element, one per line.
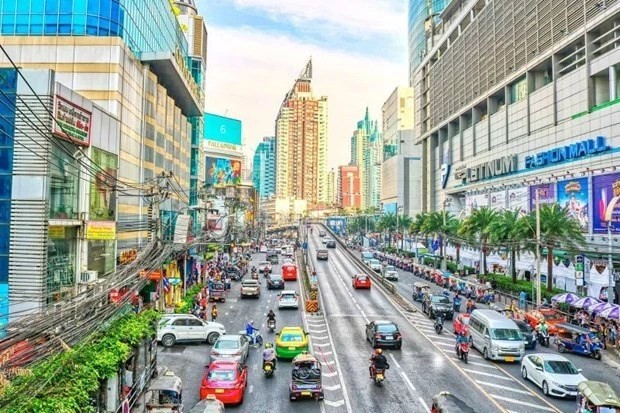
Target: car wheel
<point>524,373</point>
<point>399,346</point>
<point>212,338</point>
<point>545,388</point>
<point>485,354</point>
<point>168,340</point>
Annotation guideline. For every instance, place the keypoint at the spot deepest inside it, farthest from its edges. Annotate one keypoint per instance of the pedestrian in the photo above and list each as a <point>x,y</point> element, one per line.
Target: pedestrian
<point>522,298</point>
<point>613,333</point>
<point>214,312</point>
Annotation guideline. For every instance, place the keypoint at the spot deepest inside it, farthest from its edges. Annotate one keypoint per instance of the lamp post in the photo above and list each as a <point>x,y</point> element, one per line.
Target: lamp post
<point>538,245</point>
<point>610,264</point>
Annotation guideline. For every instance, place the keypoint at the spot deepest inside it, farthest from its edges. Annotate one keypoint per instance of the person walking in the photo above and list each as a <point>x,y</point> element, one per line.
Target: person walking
<point>214,312</point>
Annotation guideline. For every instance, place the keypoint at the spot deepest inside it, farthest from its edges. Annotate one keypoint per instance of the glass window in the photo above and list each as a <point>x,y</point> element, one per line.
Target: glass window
<point>101,257</point>
<point>6,160</point>
<point>64,173</point>
<point>61,253</point>
<point>5,186</point>
<point>4,269</point>
<point>5,212</point>
<point>5,230</point>
<point>102,194</point>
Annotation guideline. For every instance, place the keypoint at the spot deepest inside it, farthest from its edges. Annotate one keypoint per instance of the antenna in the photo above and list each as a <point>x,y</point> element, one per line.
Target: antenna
<point>306,74</point>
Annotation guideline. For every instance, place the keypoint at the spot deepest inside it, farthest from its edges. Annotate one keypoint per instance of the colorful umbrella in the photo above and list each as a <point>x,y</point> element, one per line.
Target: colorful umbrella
<point>612,312</point>
<point>585,302</point>
<point>565,298</point>
<point>597,308</point>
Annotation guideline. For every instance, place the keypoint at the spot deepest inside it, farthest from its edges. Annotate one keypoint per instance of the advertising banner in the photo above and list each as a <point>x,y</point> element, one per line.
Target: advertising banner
<point>72,122</point>
<point>573,195</point>
<point>222,129</point>
<point>519,198</point>
<point>497,200</point>
<point>546,195</point>
<point>180,229</point>
<point>222,171</point>
<point>102,202</point>
<point>101,230</point>
<point>475,201</point>
<point>606,199</point>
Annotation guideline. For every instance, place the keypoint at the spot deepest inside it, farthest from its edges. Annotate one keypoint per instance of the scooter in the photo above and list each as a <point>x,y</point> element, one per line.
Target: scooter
<point>379,376</point>
<point>271,325</point>
<point>543,338</point>
<point>457,305</point>
<point>438,325</point>
<point>462,351</point>
<point>268,369</point>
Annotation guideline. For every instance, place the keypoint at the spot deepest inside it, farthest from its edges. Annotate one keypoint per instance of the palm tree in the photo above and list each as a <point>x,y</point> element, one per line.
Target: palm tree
<point>476,226</point>
<point>510,229</point>
<point>557,229</point>
<point>387,222</point>
<point>404,222</point>
<point>417,225</point>
<point>453,228</point>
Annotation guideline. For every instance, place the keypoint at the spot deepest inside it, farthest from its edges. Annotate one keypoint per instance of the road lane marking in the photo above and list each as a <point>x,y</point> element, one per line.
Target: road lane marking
<point>317,331</point>
<point>320,337</point>
<point>332,374</point>
<point>489,366</point>
<point>426,408</point>
<point>251,388</point>
<point>337,403</point>
<point>482,373</point>
<point>319,345</point>
<point>532,405</point>
<point>407,381</point>
<point>499,386</point>
<point>395,361</point>
<point>439,343</point>
<point>450,339</point>
<point>332,388</point>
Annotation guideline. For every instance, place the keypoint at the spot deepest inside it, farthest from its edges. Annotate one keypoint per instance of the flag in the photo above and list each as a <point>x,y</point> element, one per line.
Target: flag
<point>166,285</point>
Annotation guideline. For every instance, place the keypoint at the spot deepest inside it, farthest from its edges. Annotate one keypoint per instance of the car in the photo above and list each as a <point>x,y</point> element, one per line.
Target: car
<point>437,305</point>
<point>291,341</point>
<point>234,347</point>
<point>288,261</point>
<point>553,373</point>
<point>326,240</point>
<point>322,255</point>
<point>551,316</point>
<point>528,334</point>
<point>288,299</point>
<point>322,233</point>
<point>367,256</point>
<point>275,282</point>
<point>460,324</point>
<point>390,273</point>
<point>226,380</point>
<point>330,243</point>
<point>250,288</point>
<point>375,265</point>
<point>384,333</point>
<point>361,281</point>
<point>177,328</point>
<point>234,272</point>
<point>264,266</point>
<point>262,248</point>
<point>210,404</point>
<point>289,272</point>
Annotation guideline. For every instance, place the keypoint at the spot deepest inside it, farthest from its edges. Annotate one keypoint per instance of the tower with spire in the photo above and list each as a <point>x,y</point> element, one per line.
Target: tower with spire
<point>366,154</point>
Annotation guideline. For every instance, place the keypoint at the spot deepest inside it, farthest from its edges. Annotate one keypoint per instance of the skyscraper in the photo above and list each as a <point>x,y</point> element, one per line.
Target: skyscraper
<point>301,143</point>
<point>349,189</point>
<point>264,168</point>
<point>423,16</point>
<point>367,154</point>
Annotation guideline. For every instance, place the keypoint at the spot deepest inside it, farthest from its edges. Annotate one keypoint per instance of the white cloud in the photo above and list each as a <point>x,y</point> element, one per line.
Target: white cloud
<point>363,18</point>
<point>249,72</point>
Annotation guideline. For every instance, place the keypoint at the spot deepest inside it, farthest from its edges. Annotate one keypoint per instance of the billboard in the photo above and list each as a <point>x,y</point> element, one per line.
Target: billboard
<point>497,200</point>
<point>72,122</point>
<point>222,129</point>
<point>573,195</point>
<point>605,194</point>
<point>222,171</point>
<point>473,202</point>
<point>546,195</point>
<point>519,198</point>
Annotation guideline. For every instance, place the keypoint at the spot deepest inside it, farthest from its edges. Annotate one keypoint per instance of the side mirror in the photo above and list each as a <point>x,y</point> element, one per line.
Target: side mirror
<point>277,334</point>
<point>487,336</point>
<point>538,368</point>
<point>579,370</point>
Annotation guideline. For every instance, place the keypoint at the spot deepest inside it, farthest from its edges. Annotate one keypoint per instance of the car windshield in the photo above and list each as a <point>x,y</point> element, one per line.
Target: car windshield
<point>275,277</point>
<point>226,345</point>
<point>288,296</point>
<point>291,338</point>
<point>390,268</point>
<point>221,375</point>
<point>361,278</point>
<point>560,367</point>
<point>263,263</point>
<point>250,283</point>
<point>375,262</point>
<point>509,334</point>
<point>386,328</point>
<point>440,299</point>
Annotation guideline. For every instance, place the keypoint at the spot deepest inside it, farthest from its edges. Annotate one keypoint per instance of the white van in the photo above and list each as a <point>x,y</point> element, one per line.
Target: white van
<point>496,336</point>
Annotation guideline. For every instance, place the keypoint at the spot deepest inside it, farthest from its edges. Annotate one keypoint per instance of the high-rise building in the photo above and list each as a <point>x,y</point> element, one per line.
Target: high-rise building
<point>131,58</point>
<point>330,199</point>
<point>401,170</point>
<point>367,154</point>
<point>349,189</point>
<point>301,143</point>
<point>424,16</point>
<point>264,168</point>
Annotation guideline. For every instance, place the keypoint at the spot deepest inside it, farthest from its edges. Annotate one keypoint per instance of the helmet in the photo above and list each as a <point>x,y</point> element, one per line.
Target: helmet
<point>268,345</point>
<point>251,322</point>
<point>378,351</point>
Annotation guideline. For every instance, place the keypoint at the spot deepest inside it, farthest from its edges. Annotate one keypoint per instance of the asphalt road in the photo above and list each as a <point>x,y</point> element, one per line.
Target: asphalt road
<point>261,395</point>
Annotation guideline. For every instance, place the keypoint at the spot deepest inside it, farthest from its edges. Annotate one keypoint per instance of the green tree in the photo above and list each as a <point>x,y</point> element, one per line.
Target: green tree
<point>417,225</point>
<point>557,229</point>
<point>387,222</point>
<point>510,229</point>
<point>440,224</point>
<point>453,228</point>
<point>477,227</point>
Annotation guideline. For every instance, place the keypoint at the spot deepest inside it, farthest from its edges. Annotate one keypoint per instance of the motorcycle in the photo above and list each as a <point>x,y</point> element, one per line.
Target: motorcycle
<point>457,305</point>
<point>438,325</point>
<point>379,375</point>
<point>543,338</point>
<point>271,324</point>
<point>268,369</point>
<point>462,351</point>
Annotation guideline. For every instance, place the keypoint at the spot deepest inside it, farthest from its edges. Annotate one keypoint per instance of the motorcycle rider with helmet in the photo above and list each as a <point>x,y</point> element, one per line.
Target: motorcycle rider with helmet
<point>250,330</point>
<point>377,361</point>
<point>269,355</point>
<point>271,316</point>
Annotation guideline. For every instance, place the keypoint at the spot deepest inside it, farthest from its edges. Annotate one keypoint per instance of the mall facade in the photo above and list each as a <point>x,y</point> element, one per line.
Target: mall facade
<point>520,95</point>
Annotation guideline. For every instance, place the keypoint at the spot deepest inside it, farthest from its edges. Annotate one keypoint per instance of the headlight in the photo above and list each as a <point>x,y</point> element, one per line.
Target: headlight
<point>522,346</point>
<point>494,348</point>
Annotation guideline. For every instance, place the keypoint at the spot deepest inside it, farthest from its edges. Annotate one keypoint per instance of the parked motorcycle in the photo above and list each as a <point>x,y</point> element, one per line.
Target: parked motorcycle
<point>438,325</point>
<point>462,351</point>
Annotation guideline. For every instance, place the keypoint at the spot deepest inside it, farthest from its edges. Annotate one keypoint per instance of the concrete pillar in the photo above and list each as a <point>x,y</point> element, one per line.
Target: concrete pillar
<point>612,83</point>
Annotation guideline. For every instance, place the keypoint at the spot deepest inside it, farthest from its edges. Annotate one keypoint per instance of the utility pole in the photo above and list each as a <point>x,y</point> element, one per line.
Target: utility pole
<point>538,248</point>
<point>444,263</point>
<point>610,263</point>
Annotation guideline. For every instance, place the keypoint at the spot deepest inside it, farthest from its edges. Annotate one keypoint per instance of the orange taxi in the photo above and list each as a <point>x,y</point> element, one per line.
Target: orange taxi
<point>361,281</point>
<point>551,316</point>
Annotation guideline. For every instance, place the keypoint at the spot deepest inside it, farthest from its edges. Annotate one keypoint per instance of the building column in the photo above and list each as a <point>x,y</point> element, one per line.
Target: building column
<point>612,83</point>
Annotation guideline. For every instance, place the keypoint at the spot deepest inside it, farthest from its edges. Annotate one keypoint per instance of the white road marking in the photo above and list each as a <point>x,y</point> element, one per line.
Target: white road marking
<point>406,379</point>
<point>251,388</point>
<point>333,404</point>
<point>497,376</point>
<point>329,362</point>
<point>317,331</point>
<point>255,367</point>
<point>225,313</point>
<point>499,386</point>
<point>320,337</point>
<point>394,360</point>
<point>320,345</point>
<point>490,366</point>
<point>426,408</point>
<point>451,339</point>
<point>332,388</point>
<point>332,374</point>
<point>532,405</point>
<point>443,344</point>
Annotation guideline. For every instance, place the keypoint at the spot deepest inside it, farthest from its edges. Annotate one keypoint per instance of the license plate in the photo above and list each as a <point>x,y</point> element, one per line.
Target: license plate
<point>509,359</point>
<point>219,390</point>
<point>306,393</point>
<point>267,367</point>
<point>380,376</point>
<point>389,337</point>
<point>291,348</point>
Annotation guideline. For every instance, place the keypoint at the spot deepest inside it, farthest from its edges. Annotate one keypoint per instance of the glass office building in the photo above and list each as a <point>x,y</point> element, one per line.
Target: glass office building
<point>420,14</point>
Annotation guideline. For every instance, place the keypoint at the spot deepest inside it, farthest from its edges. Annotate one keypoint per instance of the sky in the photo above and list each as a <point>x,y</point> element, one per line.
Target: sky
<point>257,48</point>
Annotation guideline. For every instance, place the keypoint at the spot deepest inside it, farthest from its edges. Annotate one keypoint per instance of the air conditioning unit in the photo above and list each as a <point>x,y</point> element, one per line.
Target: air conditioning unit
<point>87,277</point>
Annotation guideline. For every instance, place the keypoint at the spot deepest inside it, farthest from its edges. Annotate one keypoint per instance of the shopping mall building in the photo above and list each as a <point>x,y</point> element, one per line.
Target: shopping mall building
<point>514,95</point>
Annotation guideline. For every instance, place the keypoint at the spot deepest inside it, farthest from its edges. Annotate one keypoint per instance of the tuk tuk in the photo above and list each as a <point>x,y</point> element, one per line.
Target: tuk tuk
<point>208,405</point>
<point>166,394</point>
<point>419,289</point>
<point>597,397</point>
<point>306,378</point>
<point>446,402</point>
<point>217,291</point>
<point>578,340</point>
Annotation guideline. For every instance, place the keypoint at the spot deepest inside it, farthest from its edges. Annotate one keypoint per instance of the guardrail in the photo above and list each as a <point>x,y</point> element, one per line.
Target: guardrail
<point>310,287</point>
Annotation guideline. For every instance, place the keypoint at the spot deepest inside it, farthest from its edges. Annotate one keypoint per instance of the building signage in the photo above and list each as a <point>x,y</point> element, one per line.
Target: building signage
<point>564,153</point>
<point>492,169</point>
<point>460,172</point>
<point>101,230</point>
<point>72,122</point>
<point>222,145</point>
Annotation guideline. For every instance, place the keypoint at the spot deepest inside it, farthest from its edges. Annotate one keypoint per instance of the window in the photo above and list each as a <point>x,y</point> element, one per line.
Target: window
<point>179,322</point>
<point>192,322</point>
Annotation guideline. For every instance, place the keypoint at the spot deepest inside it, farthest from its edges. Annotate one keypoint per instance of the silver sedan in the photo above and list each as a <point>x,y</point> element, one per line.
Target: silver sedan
<point>231,347</point>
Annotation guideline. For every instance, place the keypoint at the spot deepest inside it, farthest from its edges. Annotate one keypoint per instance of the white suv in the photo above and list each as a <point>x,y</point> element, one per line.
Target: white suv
<point>174,328</point>
<point>288,299</point>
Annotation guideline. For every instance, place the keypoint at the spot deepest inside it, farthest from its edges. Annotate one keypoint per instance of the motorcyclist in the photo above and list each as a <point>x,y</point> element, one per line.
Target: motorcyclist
<point>271,316</point>
<point>377,361</point>
<point>542,327</point>
<point>254,269</point>
<point>269,355</point>
<point>250,330</point>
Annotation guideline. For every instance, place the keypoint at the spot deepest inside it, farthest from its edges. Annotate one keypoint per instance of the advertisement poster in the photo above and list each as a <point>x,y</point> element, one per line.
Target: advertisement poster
<point>546,195</point>
<point>222,129</point>
<point>606,194</point>
<point>519,198</point>
<point>497,200</point>
<point>475,201</point>
<point>222,172</point>
<point>72,122</point>
<point>102,196</point>
<point>573,195</point>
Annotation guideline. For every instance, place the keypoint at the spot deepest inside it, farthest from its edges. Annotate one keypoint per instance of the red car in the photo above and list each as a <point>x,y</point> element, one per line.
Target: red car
<point>551,316</point>
<point>461,324</point>
<point>226,380</point>
<point>361,281</point>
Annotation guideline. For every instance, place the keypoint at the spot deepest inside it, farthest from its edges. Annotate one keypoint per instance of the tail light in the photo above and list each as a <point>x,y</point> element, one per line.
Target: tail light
<point>377,335</point>
<point>397,335</point>
<point>215,352</point>
<point>238,353</point>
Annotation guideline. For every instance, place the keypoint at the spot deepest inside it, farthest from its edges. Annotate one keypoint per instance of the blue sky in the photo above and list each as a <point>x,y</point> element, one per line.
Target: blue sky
<point>257,47</point>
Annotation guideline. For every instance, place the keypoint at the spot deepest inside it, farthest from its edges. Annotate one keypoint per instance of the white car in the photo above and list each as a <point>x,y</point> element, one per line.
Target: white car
<point>288,299</point>
<point>175,328</point>
<point>375,265</point>
<point>264,266</point>
<point>390,273</point>
<point>554,374</point>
